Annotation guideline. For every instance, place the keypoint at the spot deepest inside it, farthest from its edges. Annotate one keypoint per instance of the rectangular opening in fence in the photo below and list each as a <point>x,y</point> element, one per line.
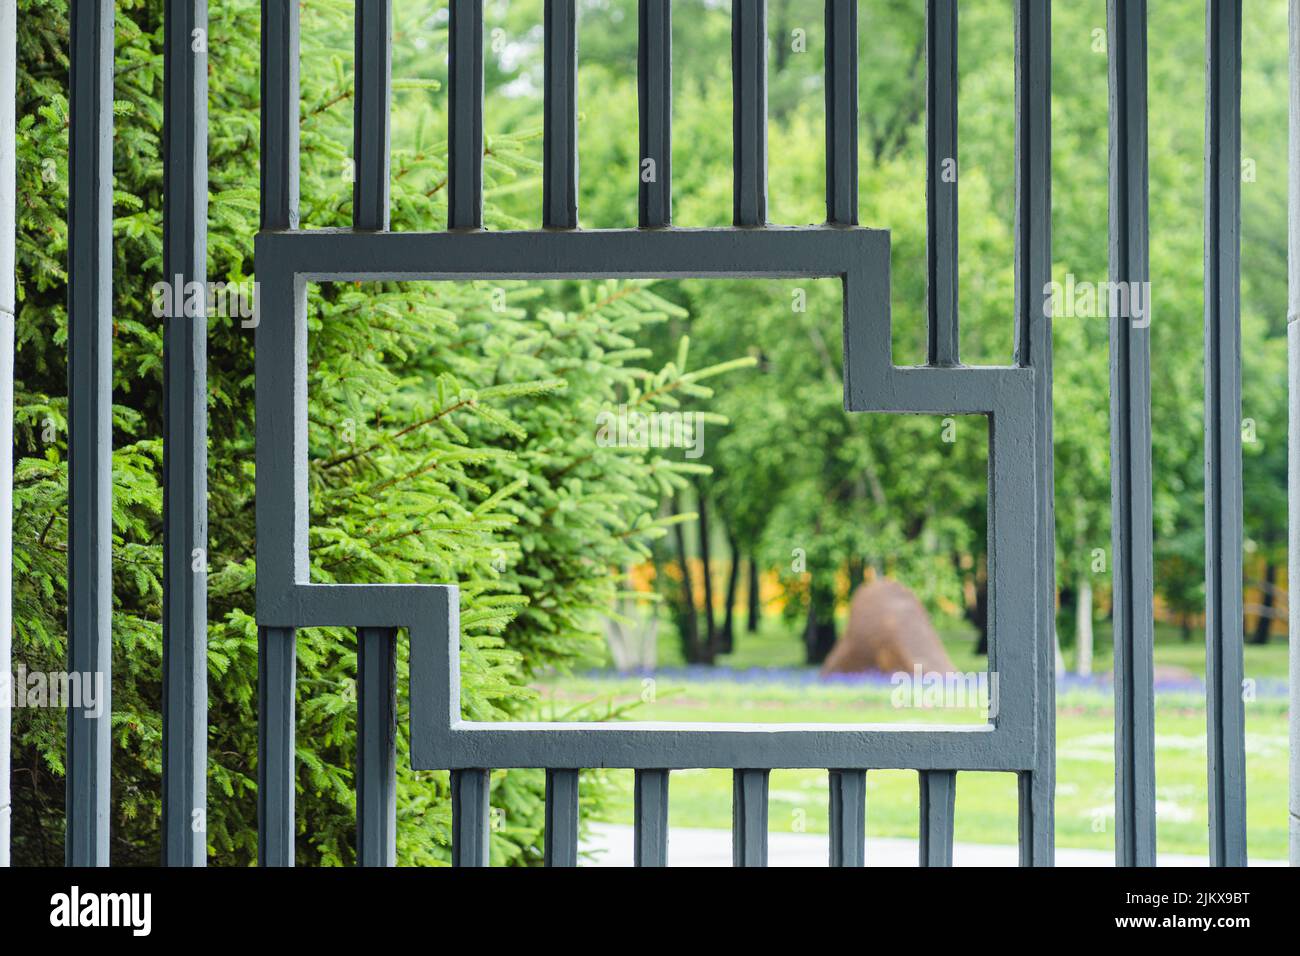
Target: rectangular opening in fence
<point>736,546</point>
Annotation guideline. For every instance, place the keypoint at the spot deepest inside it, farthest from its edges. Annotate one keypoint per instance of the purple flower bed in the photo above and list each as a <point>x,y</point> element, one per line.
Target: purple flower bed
<point>807,676</point>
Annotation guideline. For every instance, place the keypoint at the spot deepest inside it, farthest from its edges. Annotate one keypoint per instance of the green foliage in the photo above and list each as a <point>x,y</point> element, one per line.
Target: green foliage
<point>452,437</point>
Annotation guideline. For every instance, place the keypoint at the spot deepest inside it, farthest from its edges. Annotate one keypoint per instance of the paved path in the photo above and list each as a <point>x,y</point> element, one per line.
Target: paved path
<point>697,847</point>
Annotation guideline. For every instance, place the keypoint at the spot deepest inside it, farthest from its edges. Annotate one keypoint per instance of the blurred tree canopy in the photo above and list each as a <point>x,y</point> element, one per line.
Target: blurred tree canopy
<point>801,487</point>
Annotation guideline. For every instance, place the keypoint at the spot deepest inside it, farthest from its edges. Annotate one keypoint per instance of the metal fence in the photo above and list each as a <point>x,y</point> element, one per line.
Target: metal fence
<point>1016,398</point>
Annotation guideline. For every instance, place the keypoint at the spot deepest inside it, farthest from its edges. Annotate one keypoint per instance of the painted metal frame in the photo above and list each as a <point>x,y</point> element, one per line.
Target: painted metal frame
<point>90,432</point>
<point>90,452</point>
<point>288,261</point>
<point>1225,706</point>
<point>1130,436</point>
<point>1015,398</point>
<point>1033,350</point>
<point>185,441</point>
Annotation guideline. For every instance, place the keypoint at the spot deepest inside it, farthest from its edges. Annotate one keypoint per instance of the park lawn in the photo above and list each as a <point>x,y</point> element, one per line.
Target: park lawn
<point>773,645</point>
<point>986,802</point>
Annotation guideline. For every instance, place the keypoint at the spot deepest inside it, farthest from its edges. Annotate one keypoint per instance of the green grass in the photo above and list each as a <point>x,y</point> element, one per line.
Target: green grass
<point>773,645</point>
<point>986,802</point>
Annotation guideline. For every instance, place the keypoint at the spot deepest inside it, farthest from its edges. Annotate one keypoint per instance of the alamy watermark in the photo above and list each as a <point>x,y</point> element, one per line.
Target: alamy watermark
<point>75,908</point>
<point>627,428</point>
<point>70,690</point>
<point>226,300</point>
<point>1073,299</point>
<point>936,690</point>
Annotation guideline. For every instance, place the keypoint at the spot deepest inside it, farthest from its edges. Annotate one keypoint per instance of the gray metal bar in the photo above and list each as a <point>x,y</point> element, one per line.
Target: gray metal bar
<point>376,746</point>
<point>465,121</point>
<point>749,817</point>
<point>276,648</point>
<point>1130,440</point>
<point>561,818</point>
<point>1225,710</point>
<point>638,745</point>
<point>1033,46</point>
<point>1293,404</point>
<point>276,771</point>
<point>90,432</point>
<point>372,105</point>
<point>749,111</point>
<point>280,106</point>
<point>8,309</point>
<point>848,814</point>
<point>807,251</point>
<point>842,112</point>
<point>560,186</point>
<point>185,443</point>
<point>655,104</point>
<point>938,805</point>
<point>941,179</point>
<point>650,818</point>
<point>470,817</point>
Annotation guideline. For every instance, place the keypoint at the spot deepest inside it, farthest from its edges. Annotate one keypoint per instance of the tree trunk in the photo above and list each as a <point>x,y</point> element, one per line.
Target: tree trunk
<point>857,571</point>
<point>819,634</point>
<point>782,35</point>
<point>1264,623</point>
<point>979,615</point>
<point>1083,626</point>
<point>755,605</point>
<point>727,643</point>
<point>687,626</point>
<point>710,630</point>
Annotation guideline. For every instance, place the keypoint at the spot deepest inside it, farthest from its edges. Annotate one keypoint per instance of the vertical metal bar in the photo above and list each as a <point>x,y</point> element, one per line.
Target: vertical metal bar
<point>749,111</point>
<point>276,649</point>
<point>185,438</point>
<point>561,818</point>
<point>1293,404</point>
<point>280,106</point>
<point>376,746</point>
<point>470,817</point>
<point>941,179</point>
<point>1130,439</point>
<point>655,104</point>
<point>1033,272</point>
<point>465,122</point>
<point>848,812</point>
<point>650,815</point>
<point>371,107</point>
<point>842,112</point>
<point>938,805</point>
<point>90,433</point>
<point>560,187</point>
<point>8,310</point>
<point>749,817</point>
<point>1225,710</point>
<point>276,776</point>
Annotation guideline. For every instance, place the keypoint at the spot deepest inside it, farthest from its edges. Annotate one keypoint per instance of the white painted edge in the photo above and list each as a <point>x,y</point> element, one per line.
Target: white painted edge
<point>1293,408</point>
<point>8,303</point>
